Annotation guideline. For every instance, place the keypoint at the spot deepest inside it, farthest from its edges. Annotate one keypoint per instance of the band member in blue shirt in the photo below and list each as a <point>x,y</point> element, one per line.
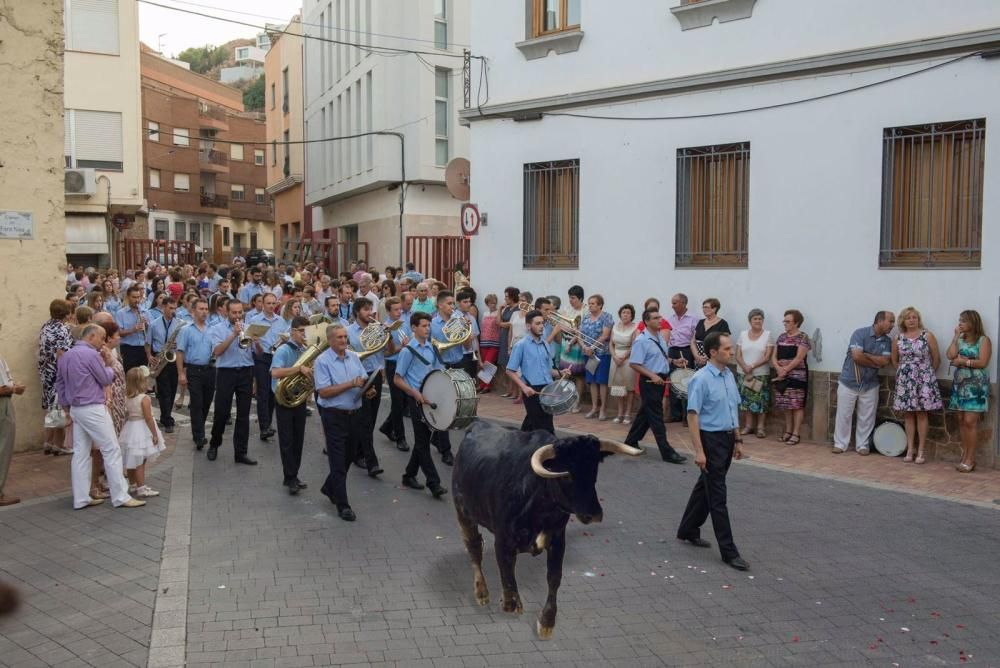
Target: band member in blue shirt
<point>234,376</point>
<point>393,425</point>
<point>713,405</point>
<point>291,420</point>
<point>649,361</point>
<point>530,367</point>
<point>132,322</point>
<point>262,362</point>
<point>415,362</point>
<point>338,377</point>
<point>195,370</point>
<point>157,335</point>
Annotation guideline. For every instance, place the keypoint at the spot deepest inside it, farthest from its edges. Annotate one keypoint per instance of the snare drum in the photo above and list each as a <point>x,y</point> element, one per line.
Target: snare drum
<point>559,398</point>
<point>453,395</point>
<point>679,380</point>
<point>889,438</point>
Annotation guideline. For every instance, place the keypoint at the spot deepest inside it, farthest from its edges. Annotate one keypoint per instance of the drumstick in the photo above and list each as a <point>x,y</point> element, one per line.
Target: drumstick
<point>432,405</point>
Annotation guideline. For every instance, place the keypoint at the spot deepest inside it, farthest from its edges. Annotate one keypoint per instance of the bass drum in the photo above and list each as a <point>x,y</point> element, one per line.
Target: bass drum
<point>889,438</point>
<point>453,399</point>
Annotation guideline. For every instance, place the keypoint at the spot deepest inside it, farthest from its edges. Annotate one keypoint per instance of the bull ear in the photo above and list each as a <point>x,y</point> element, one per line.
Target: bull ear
<point>538,459</point>
<point>614,447</point>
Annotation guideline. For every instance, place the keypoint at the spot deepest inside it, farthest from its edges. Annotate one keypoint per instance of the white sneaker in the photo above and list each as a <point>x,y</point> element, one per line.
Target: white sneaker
<point>146,492</point>
<point>131,490</point>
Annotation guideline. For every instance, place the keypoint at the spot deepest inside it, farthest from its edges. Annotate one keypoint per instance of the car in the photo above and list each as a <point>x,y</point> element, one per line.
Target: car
<point>258,256</point>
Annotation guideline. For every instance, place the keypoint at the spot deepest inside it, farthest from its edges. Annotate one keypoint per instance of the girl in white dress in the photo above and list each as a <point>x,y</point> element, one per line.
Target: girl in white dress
<point>140,438</point>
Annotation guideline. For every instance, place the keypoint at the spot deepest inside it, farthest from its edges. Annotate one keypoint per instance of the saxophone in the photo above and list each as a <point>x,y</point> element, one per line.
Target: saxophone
<point>168,354</point>
<point>293,391</point>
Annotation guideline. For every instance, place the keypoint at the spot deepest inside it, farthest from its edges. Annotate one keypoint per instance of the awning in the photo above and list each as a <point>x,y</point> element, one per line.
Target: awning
<point>86,234</point>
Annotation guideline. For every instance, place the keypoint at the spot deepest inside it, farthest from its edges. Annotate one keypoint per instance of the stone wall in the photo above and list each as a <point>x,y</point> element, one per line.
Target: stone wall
<point>31,180</point>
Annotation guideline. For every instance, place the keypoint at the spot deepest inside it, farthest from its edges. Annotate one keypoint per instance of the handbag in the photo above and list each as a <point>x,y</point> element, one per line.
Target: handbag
<point>753,383</point>
<point>55,418</point>
<point>780,385</point>
<point>616,390</point>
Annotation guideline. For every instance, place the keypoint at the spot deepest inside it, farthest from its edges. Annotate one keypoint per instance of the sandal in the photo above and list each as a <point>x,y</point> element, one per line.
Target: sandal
<point>627,419</point>
<point>761,433</point>
<point>98,494</point>
<point>744,431</point>
<point>908,459</point>
<point>784,437</point>
<point>965,468</point>
<point>920,460</point>
<point>793,439</point>
<point>591,415</point>
<point>618,419</point>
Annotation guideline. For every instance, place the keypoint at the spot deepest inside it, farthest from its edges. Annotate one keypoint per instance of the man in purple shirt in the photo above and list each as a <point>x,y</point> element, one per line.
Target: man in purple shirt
<point>83,373</point>
<point>682,326</point>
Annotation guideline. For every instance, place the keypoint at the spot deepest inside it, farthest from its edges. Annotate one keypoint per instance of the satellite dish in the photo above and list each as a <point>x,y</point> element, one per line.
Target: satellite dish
<point>456,178</point>
<point>817,345</point>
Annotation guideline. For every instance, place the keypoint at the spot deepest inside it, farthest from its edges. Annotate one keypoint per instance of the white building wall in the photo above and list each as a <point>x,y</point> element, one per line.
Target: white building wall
<point>401,99</point>
<point>815,195</point>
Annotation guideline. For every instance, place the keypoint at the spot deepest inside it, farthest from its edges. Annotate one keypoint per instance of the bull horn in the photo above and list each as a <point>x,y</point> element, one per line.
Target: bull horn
<point>538,459</point>
<point>614,447</point>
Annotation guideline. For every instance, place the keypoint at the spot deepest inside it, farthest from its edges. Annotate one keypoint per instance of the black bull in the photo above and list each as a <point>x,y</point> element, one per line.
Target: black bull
<point>523,487</point>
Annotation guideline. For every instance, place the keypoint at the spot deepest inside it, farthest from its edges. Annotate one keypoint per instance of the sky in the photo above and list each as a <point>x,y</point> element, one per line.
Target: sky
<point>185,30</point>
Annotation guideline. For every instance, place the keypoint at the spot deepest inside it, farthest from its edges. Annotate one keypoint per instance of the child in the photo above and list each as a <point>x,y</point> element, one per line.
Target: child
<point>140,438</point>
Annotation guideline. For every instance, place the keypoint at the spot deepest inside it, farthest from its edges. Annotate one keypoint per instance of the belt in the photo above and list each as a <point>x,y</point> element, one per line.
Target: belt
<point>724,431</point>
<point>341,411</point>
<point>198,367</point>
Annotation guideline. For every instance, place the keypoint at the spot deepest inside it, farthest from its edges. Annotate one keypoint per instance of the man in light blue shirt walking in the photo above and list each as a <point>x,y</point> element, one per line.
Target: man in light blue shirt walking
<point>291,419</point>
<point>530,367</point>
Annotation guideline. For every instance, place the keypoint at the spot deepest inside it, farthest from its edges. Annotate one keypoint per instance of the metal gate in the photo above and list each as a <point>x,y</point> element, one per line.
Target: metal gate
<point>436,257</point>
<point>133,253</point>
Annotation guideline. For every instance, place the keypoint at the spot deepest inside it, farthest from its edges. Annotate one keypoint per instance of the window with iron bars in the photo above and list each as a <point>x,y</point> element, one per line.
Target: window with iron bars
<point>552,215</point>
<point>713,185</point>
<point>932,195</point>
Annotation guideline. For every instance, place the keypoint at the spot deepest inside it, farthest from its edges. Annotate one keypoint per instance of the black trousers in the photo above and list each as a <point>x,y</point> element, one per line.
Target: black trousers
<point>369,415</point>
<point>132,356</point>
<point>166,391</point>
<point>709,494</point>
<point>265,397</point>
<point>470,365</point>
<point>420,455</point>
<point>229,382</point>
<point>201,387</point>
<point>291,435</point>
<point>342,430</point>
<point>650,416</point>
<point>535,417</point>
<point>394,421</point>
<point>678,406</point>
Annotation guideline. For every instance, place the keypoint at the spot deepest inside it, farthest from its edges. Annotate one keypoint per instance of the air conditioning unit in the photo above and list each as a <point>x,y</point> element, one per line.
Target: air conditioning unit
<point>80,182</point>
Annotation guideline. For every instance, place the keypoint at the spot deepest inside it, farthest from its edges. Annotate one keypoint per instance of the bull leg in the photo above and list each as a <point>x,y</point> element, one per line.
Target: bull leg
<point>554,561</point>
<point>474,546</point>
<point>506,560</point>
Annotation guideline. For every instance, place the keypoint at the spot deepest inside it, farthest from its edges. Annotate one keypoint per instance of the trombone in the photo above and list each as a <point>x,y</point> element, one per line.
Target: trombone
<point>570,327</point>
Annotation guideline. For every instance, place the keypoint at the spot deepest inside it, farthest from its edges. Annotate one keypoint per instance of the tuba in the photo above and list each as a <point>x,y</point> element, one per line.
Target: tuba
<point>457,331</point>
<point>293,391</point>
<point>375,337</point>
<point>282,338</point>
<point>168,355</point>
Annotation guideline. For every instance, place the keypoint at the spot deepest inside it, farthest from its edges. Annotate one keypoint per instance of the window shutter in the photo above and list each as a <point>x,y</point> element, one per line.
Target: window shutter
<point>182,182</point>
<point>93,26</point>
<point>98,135</point>
<point>68,133</point>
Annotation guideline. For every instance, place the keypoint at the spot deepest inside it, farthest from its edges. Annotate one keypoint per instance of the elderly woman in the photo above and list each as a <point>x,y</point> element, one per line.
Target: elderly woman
<point>970,352</point>
<point>754,349</point>
<point>916,356</point>
<point>53,340</point>
<point>710,323</point>
<point>596,329</point>
<point>622,337</point>
<point>791,379</point>
<point>510,298</point>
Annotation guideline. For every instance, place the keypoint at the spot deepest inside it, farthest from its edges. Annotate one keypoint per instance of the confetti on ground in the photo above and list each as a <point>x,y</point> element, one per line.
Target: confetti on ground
<point>438,537</point>
<point>959,626</point>
<point>934,642</point>
<point>640,542</point>
<point>904,629</point>
<point>935,614</point>
<point>727,586</point>
<point>795,638</point>
<point>589,574</point>
<point>750,577</point>
<point>221,587</point>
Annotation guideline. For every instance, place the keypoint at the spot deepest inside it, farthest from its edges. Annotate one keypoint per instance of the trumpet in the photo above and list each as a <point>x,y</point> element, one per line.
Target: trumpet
<point>282,338</point>
<point>375,337</point>
<point>457,331</point>
<point>244,340</point>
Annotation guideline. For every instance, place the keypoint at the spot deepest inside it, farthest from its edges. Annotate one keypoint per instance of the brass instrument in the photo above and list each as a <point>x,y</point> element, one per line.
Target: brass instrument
<point>457,331</point>
<point>569,326</point>
<point>167,354</point>
<point>282,338</point>
<point>244,341</point>
<point>293,391</point>
<point>317,318</point>
<point>375,337</point>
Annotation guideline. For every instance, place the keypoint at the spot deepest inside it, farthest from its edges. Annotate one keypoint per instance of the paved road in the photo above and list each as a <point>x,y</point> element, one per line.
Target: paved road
<point>842,575</point>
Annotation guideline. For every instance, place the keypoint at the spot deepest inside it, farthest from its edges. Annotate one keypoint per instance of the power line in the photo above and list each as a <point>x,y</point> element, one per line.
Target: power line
<point>315,25</point>
<point>378,50</point>
<point>763,107</point>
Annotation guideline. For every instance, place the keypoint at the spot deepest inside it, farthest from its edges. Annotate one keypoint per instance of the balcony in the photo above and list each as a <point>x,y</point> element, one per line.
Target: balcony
<point>213,201</point>
<point>213,117</point>
<point>212,160</point>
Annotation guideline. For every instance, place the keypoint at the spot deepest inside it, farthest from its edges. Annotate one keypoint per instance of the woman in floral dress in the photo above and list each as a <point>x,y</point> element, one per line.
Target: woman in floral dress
<point>916,357</point>
<point>791,378</point>
<point>970,352</point>
<point>53,340</point>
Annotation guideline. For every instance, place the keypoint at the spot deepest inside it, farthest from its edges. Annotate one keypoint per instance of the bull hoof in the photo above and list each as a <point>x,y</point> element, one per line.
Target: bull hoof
<point>512,604</point>
<point>544,632</point>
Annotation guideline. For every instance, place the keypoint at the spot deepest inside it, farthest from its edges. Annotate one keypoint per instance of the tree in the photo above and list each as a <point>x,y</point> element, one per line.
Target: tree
<point>203,58</point>
<point>253,96</point>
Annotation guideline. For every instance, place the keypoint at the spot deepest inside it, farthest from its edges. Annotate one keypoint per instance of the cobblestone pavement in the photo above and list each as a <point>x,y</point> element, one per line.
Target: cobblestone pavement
<point>842,574</point>
<point>88,579</point>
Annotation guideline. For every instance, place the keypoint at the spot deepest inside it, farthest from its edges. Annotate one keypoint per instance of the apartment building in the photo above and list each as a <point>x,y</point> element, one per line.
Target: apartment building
<point>101,148</point>
<point>872,182</point>
<point>353,184</point>
<point>283,107</point>
<point>205,163</point>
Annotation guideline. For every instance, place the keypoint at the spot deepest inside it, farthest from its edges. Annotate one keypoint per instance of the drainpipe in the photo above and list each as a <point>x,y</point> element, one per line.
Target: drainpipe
<point>402,184</point>
<point>107,222</point>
